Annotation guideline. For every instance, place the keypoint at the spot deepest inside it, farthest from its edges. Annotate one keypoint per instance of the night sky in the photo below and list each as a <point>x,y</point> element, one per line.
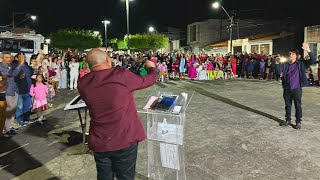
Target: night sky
<point>57,14</point>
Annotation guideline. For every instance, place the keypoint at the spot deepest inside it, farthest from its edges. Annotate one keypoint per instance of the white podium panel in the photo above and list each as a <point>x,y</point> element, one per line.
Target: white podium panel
<point>165,161</point>
<point>165,130</point>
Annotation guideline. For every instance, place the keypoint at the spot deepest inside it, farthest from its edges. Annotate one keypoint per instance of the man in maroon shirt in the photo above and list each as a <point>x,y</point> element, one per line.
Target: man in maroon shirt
<point>115,127</point>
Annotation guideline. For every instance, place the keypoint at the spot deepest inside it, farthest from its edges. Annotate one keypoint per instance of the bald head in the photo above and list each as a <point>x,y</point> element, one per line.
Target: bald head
<point>97,57</point>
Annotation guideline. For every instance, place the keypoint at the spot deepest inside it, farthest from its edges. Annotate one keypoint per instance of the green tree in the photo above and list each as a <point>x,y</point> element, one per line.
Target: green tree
<point>118,44</point>
<point>122,45</point>
<point>157,41</point>
<point>75,39</point>
<point>148,41</point>
<point>113,41</point>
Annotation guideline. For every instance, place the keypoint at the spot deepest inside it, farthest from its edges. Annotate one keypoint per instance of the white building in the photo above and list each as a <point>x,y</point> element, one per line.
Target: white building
<point>312,36</point>
<point>251,35</point>
<point>28,43</point>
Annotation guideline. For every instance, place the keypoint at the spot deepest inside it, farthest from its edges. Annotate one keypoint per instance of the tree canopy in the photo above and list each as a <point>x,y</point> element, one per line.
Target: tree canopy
<point>141,42</point>
<point>118,44</point>
<point>148,41</point>
<point>75,39</point>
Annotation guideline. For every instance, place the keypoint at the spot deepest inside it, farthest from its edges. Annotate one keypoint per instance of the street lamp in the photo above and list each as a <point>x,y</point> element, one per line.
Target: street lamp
<point>105,22</point>
<point>128,26</point>
<point>216,5</point>
<point>28,17</point>
<point>151,29</point>
<point>48,41</point>
<point>96,33</point>
<point>33,17</point>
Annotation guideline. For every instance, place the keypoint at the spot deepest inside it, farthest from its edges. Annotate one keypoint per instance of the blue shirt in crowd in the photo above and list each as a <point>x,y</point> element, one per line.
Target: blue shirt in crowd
<point>10,73</point>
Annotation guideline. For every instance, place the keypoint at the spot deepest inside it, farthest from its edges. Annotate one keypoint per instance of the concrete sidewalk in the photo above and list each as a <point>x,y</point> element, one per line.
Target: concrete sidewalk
<point>232,132</point>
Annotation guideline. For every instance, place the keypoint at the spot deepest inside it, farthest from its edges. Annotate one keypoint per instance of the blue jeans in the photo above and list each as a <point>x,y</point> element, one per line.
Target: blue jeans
<point>23,108</point>
<point>295,96</point>
<point>121,163</point>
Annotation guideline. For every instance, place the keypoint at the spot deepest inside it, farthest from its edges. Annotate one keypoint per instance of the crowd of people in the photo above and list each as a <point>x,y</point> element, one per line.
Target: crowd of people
<point>27,88</point>
<point>34,84</point>
<point>180,66</point>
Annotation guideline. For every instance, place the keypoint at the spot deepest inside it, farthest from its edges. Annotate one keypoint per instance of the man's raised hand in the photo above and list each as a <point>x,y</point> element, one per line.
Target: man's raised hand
<point>306,47</point>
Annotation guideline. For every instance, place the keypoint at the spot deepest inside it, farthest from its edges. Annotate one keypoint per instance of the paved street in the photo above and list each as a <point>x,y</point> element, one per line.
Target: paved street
<point>232,132</point>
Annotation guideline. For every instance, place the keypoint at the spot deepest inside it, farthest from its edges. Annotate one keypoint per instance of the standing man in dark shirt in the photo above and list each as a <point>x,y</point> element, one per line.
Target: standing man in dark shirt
<point>115,127</point>
<point>24,99</point>
<point>23,81</point>
<point>294,78</point>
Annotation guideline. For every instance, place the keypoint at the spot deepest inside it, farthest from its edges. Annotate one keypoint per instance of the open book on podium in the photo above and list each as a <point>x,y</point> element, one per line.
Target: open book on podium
<point>162,103</point>
<point>173,103</point>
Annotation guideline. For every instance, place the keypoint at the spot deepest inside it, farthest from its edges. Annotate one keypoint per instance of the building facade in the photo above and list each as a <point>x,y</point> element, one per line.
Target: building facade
<point>312,36</point>
<point>176,38</point>
<point>251,35</point>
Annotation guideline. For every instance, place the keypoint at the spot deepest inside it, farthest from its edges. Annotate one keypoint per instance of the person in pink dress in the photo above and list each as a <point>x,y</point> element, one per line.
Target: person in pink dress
<point>163,71</point>
<point>154,59</point>
<point>84,70</point>
<point>175,69</point>
<point>192,71</point>
<point>233,61</point>
<point>39,91</point>
<point>209,69</point>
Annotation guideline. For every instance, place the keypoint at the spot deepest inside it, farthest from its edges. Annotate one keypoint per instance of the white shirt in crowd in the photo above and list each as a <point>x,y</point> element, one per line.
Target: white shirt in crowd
<point>74,67</point>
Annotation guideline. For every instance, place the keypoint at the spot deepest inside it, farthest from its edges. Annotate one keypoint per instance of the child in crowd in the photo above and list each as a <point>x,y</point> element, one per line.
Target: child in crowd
<point>163,71</point>
<point>40,70</point>
<point>277,69</point>
<point>268,70</point>
<point>201,72</point>
<point>169,66</point>
<point>175,69</point>
<point>262,68</point>
<point>39,91</point>
<point>51,92</point>
<point>209,69</point>
<point>84,70</point>
<point>250,68</point>
<point>3,105</point>
<point>182,69</point>
<point>228,70</point>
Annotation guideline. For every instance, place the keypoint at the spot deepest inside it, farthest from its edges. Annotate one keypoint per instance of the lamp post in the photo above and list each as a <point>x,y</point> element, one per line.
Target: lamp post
<point>128,24</point>
<point>48,41</point>
<point>106,22</point>
<point>28,17</point>
<point>216,5</point>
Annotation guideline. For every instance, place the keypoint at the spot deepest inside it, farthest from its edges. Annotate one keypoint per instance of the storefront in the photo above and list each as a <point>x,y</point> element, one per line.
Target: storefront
<point>260,44</point>
<point>312,36</point>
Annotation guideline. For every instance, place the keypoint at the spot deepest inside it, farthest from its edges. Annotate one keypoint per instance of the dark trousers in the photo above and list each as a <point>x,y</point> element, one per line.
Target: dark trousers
<point>121,164</point>
<point>294,95</point>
